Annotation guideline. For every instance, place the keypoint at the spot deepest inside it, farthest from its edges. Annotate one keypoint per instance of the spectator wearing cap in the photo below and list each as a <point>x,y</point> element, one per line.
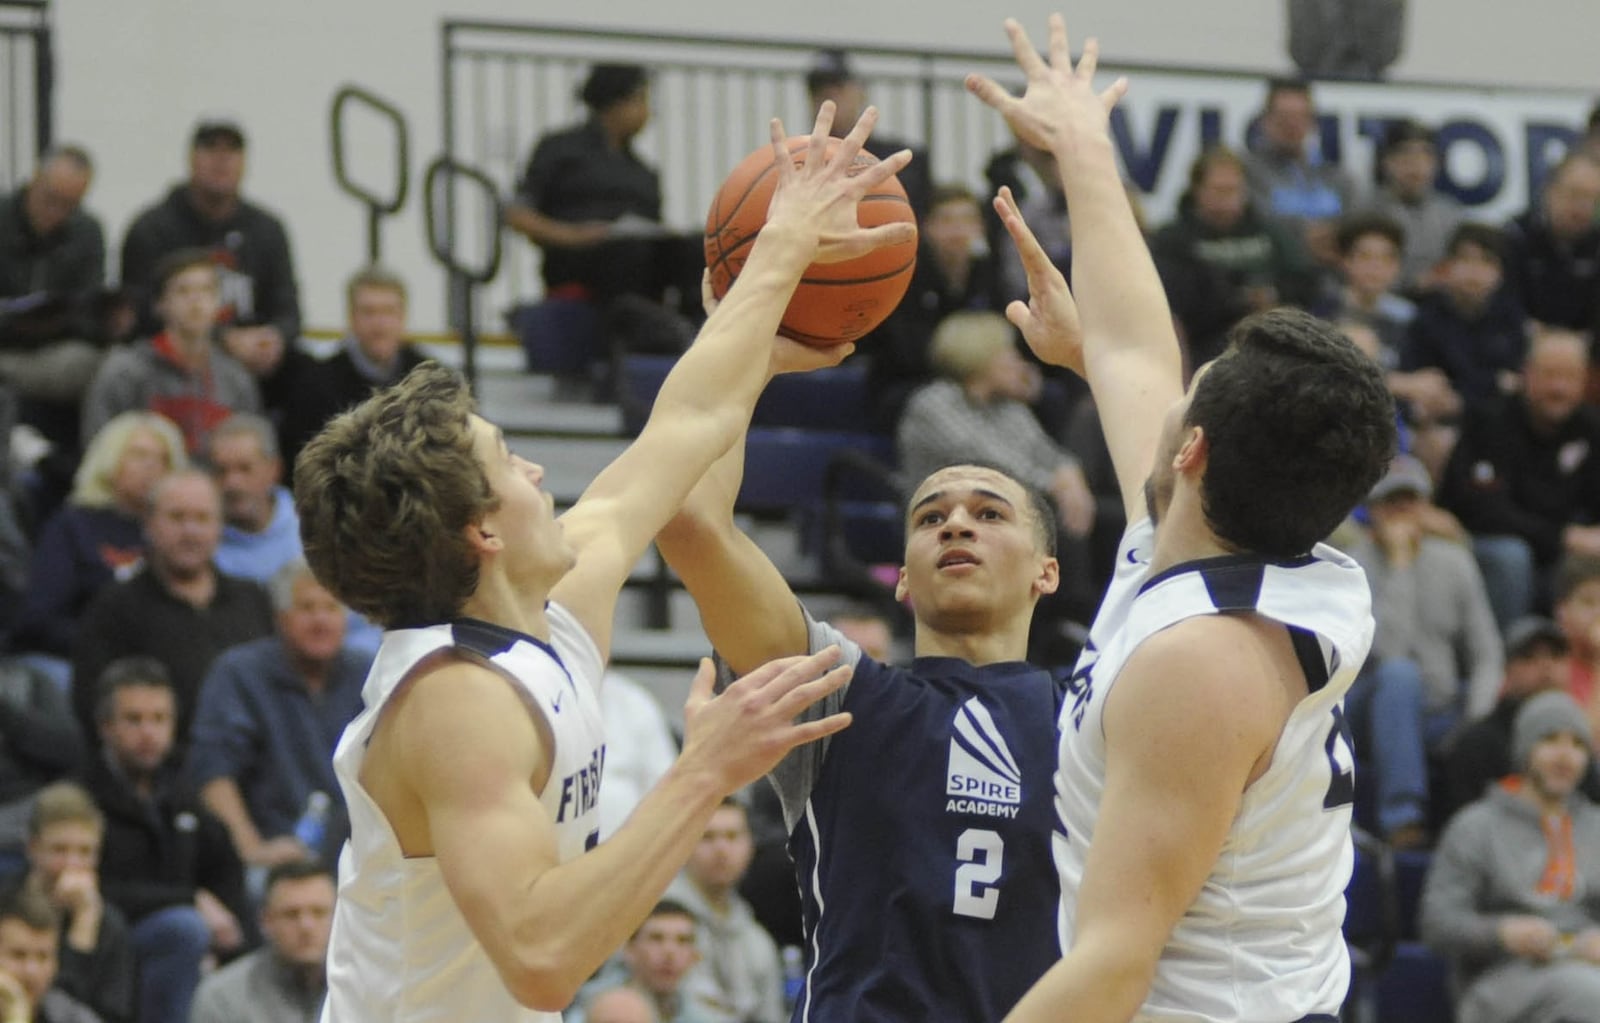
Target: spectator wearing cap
<point>582,187</point>
<point>832,77</point>
<point>1480,754</point>
<point>259,312</point>
<point>1513,895</point>
<point>1408,165</point>
<point>1437,658</point>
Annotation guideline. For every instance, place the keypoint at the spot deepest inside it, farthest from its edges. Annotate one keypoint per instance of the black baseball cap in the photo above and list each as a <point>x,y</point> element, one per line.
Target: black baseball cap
<point>217,132</point>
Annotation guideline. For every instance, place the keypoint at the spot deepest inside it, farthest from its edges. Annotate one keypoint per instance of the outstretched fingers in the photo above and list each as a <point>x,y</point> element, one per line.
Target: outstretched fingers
<point>804,694</point>
<point>1114,93</point>
<point>782,160</point>
<point>1060,51</point>
<point>1035,260</point>
<point>845,155</point>
<point>1089,60</point>
<point>821,130</point>
<point>994,95</point>
<point>1027,57</point>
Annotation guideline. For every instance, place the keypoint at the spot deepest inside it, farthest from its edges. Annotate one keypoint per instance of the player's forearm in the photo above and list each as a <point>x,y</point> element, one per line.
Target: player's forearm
<point>721,375</point>
<point>746,606</point>
<point>576,915</point>
<point>1121,302</point>
<point>1089,985</point>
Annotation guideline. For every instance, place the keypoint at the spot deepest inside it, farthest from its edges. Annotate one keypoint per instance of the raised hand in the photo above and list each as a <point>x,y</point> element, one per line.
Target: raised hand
<point>787,356</point>
<point>817,199</point>
<point>1049,319</point>
<point>1059,109</point>
<point>742,732</point>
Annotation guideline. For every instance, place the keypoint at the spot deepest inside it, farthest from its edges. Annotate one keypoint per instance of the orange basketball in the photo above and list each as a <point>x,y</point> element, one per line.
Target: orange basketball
<point>835,302</point>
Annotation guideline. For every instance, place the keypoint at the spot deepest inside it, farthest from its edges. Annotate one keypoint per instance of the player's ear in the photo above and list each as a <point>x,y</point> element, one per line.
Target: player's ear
<point>482,537</point>
<point>900,591</point>
<point>1192,453</point>
<point>1048,579</point>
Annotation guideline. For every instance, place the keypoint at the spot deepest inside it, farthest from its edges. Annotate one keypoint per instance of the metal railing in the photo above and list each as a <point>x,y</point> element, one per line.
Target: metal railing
<point>504,85</point>
<point>27,84</point>
<point>378,205</point>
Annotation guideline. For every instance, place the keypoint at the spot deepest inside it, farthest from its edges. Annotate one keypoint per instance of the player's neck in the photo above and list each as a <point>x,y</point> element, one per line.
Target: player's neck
<point>1182,535</point>
<point>975,646</point>
<point>499,602</point>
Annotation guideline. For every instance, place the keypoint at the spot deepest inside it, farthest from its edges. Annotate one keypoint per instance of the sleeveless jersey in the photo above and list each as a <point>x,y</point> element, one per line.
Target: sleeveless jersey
<point>401,952</point>
<point>1262,941</point>
<point>921,841</point>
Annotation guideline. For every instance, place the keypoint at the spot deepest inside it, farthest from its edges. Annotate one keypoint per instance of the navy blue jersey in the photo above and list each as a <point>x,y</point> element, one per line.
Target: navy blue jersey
<point>921,841</point>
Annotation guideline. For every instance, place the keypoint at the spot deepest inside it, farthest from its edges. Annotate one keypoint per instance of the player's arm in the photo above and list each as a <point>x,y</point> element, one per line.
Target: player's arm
<point>1194,715</point>
<point>705,402</point>
<point>472,753</point>
<point>746,606</point>
<point>1127,348</point>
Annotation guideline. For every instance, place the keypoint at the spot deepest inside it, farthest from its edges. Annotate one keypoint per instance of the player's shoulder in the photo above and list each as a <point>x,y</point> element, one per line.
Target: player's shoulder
<point>1210,661</point>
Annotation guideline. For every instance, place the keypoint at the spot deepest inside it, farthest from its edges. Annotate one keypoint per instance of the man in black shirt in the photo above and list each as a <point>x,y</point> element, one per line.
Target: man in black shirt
<point>178,608</point>
<point>52,267</point>
<point>260,312</point>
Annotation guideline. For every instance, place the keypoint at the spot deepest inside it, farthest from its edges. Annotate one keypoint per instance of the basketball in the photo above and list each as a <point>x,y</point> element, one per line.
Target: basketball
<point>835,302</point>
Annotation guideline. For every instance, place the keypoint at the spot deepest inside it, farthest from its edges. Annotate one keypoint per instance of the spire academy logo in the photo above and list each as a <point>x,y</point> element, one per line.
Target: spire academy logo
<point>982,776</point>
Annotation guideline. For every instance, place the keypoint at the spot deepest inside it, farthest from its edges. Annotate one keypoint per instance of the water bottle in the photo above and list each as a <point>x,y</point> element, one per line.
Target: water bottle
<point>312,826</point>
<point>794,976</point>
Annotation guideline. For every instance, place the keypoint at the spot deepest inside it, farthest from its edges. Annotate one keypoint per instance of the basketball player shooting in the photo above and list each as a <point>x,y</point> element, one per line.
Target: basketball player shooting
<point>1203,792</point>
<point>473,889</point>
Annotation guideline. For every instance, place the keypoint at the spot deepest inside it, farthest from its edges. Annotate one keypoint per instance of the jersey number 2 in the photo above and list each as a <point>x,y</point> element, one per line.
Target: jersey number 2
<point>980,853</point>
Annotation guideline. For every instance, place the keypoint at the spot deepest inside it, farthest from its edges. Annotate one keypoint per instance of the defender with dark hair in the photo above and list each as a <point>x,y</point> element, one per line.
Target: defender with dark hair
<point>474,886</point>
<point>1203,798</point>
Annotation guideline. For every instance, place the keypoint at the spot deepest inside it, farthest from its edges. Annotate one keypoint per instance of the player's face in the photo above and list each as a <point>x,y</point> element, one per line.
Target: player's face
<point>973,558</point>
<point>662,952</point>
<point>63,846</point>
<point>524,523</point>
<point>298,918</point>
<point>723,853</point>
<point>1556,765</point>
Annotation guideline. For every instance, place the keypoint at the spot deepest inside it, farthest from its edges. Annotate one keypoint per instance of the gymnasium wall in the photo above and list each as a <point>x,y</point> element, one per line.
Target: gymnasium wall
<point>133,76</point>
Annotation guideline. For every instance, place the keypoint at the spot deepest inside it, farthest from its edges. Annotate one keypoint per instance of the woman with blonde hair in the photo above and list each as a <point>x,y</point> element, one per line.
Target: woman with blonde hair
<point>100,529</point>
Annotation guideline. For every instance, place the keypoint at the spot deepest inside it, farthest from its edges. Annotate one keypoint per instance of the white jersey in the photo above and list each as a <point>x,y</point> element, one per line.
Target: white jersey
<point>1262,941</point>
<point>401,952</point>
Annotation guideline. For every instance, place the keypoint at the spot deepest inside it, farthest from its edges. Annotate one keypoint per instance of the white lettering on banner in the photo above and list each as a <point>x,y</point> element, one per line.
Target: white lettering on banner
<point>1493,143</point>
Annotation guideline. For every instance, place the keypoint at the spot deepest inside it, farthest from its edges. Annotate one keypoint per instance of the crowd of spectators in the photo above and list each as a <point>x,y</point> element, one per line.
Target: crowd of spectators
<point>174,679</point>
